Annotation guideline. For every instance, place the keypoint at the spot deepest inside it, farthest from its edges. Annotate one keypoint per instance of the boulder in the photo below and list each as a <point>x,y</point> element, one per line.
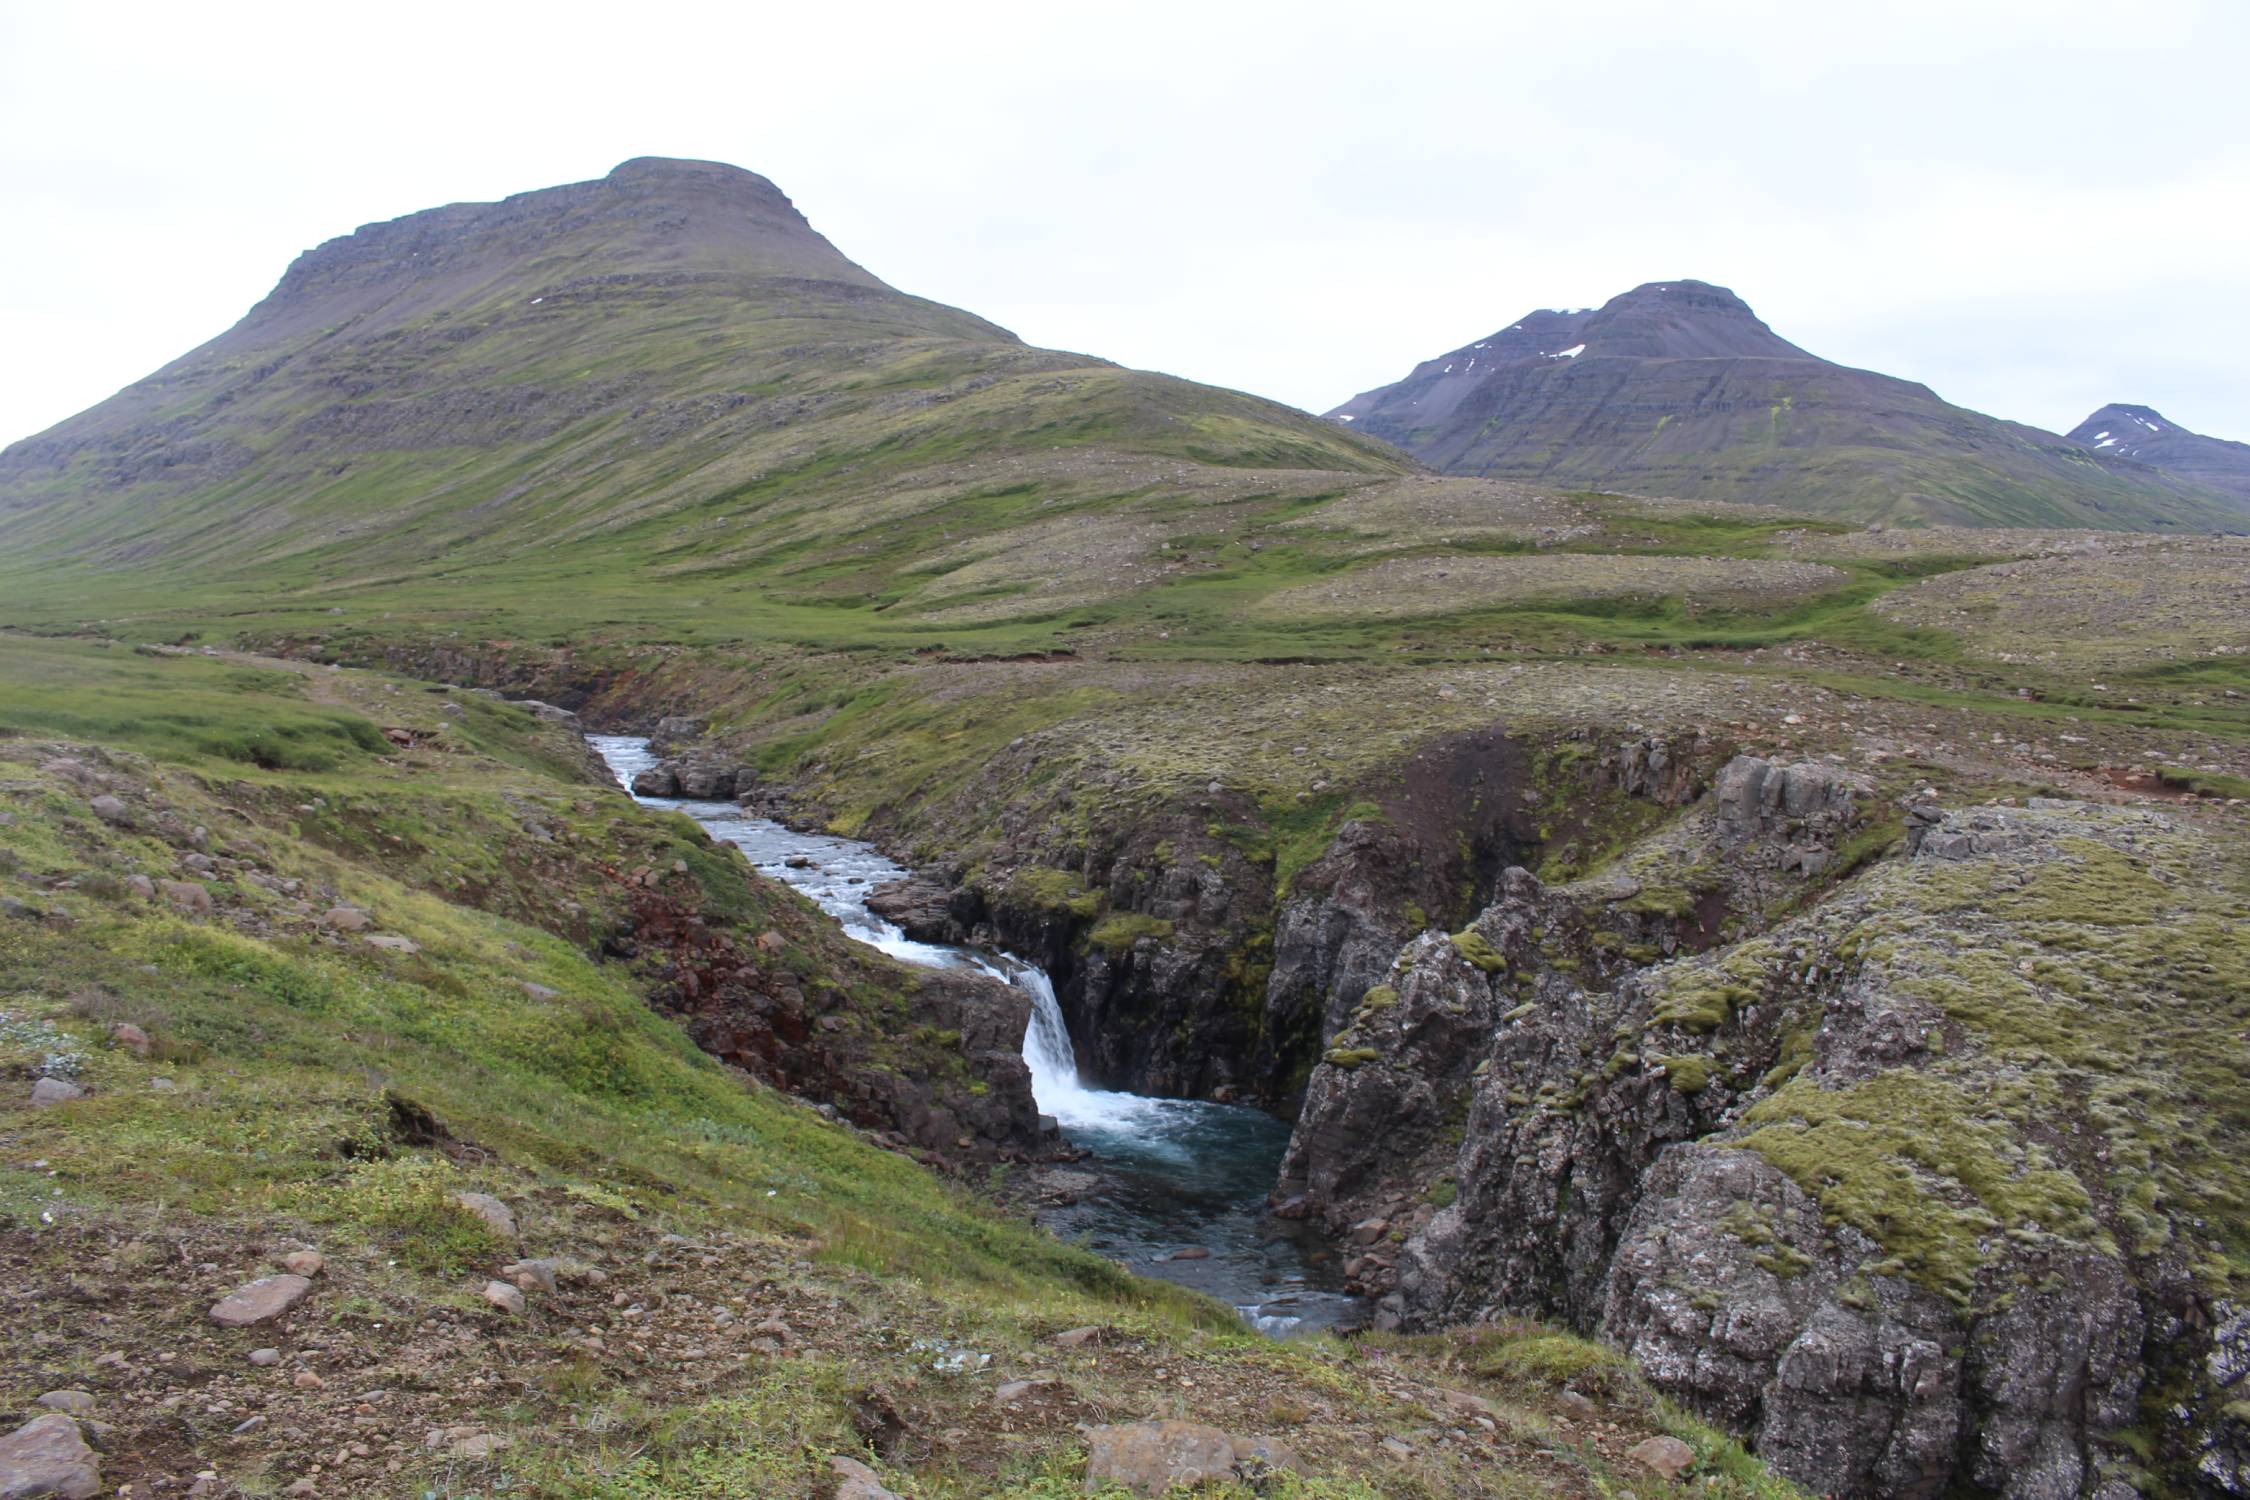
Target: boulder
<point>922,909</point>
<point>706,783</point>
<point>74,1403</point>
<point>856,1481</point>
<point>531,1275</point>
<point>110,810</point>
<point>304,1262</point>
<point>656,781</point>
<point>260,1301</point>
<point>391,942</point>
<point>1666,1457</point>
<point>347,919</point>
<point>550,712</point>
<point>1150,1458</point>
<point>47,1456</point>
<point>498,1215</point>
<point>134,1040</point>
<point>501,1295</point>
<point>188,895</point>
<point>48,1092</point>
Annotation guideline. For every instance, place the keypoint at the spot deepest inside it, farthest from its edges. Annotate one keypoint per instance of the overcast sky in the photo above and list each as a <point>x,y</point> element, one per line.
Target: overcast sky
<point>2032,207</point>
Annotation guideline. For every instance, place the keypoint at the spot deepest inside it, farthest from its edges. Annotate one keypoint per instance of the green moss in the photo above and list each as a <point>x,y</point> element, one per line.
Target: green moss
<point>1920,1166</point>
<point>1541,1357</point>
<point>1121,930</point>
<point>1051,890</point>
<point>1377,1000</point>
<point>1443,1192</point>
<point>1689,1073</point>
<point>1477,949</point>
<point>1661,901</point>
<point>1352,1057</point>
<point>1703,995</point>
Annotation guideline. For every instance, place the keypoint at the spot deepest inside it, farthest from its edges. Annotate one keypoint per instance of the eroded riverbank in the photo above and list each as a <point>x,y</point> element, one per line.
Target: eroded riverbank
<point>1163,1176</point>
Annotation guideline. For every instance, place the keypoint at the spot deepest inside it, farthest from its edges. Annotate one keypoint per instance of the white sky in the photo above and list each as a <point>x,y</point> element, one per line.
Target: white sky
<point>2033,207</point>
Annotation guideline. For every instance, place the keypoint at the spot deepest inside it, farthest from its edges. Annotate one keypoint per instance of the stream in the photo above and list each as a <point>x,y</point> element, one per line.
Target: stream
<point>1173,1174</point>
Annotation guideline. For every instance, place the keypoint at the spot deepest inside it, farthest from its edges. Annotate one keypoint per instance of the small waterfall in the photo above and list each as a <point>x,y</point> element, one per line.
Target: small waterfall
<point>1046,1045</point>
<point>1179,1172</point>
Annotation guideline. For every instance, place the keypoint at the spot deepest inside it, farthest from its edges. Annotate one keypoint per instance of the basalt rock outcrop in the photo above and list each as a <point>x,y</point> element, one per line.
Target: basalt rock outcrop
<point>951,1082</point>
<point>697,780</point>
<point>1181,969</point>
<point>1397,1067</point>
<point>1925,1189</point>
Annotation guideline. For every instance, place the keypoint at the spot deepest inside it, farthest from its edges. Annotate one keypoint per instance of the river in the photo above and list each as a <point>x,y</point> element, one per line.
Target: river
<point>1175,1174</point>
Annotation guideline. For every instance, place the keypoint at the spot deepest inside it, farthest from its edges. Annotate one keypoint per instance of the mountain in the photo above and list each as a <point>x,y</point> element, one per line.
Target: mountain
<point>2146,435</point>
<point>1678,388</point>
<point>623,374</point>
<point>1707,928</point>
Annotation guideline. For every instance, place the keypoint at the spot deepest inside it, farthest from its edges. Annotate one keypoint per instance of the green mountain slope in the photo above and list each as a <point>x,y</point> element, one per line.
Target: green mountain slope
<point>660,372</point>
<point>1678,389</point>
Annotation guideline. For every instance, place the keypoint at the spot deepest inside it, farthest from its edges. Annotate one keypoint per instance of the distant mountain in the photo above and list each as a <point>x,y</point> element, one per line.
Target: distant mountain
<point>1678,388</point>
<point>2147,436</point>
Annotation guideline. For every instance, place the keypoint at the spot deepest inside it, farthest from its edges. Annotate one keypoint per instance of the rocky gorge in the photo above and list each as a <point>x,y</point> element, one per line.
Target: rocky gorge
<point>1769,1095</point>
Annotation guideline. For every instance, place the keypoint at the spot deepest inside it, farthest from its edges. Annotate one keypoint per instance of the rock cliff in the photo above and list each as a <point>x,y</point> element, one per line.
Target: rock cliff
<point>1922,1180</point>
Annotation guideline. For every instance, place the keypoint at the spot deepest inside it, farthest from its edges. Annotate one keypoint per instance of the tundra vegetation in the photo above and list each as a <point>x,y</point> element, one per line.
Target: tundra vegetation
<point>1239,720</point>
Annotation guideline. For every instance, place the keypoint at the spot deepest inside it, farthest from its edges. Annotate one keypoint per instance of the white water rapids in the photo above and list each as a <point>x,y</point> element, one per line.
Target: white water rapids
<point>1176,1172</point>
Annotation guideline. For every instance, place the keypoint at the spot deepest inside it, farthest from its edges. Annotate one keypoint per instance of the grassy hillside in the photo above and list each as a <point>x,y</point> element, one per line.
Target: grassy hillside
<point>744,1287</point>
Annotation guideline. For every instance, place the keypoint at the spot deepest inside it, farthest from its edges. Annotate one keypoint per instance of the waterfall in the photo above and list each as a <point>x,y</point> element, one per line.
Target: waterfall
<point>1177,1171</point>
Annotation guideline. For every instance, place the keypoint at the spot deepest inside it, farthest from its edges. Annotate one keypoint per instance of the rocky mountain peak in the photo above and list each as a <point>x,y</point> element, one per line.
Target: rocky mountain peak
<point>650,216</point>
<point>1683,320</point>
<point>2144,435</point>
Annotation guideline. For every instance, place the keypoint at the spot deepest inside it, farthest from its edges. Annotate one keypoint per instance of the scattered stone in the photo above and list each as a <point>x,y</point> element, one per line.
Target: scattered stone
<point>267,1297</point>
<point>503,1296</point>
<point>304,1262</point>
<point>188,895</point>
<point>856,1481</point>
<point>391,942</point>
<point>75,1403</point>
<point>1010,1390</point>
<point>134,1040</point>
<point>141,886</point>
<point>531,1275</point>
<point>464,1442</point>
<point>52,1091</point>
<point>1255,1457</point>
<point>306,1380</point>
<point>1667,1457</point>
<point>47,1456</point>
<point>774,1328</point>
<point>265,1357</point>
<point>498,1215</point>
<point>347,919</point>
<point>1077,1338</point>
<point>1150,1458</point>
<point>1192,1252</point>
<point>248,1425</point>
<point>109,809</point>
<point>1576,1407</point>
